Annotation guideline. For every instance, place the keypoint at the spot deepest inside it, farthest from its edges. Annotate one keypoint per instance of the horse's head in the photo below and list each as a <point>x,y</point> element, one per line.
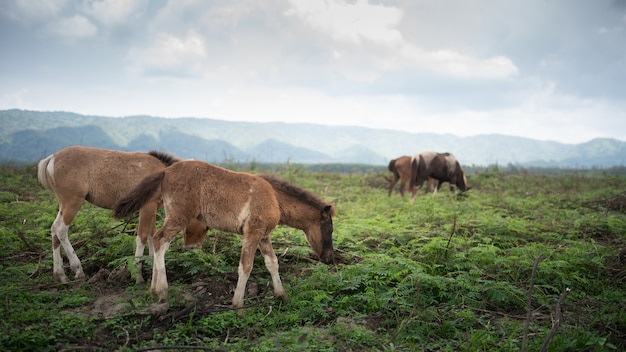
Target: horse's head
<point>461,180</point>
<point>320,235</point>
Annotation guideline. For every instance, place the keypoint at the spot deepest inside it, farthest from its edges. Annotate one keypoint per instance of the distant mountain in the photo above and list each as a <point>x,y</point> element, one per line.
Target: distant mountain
<point>27,136</point>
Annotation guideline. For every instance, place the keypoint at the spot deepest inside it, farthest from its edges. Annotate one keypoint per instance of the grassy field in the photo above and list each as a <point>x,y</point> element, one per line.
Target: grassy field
<point>519,263</point>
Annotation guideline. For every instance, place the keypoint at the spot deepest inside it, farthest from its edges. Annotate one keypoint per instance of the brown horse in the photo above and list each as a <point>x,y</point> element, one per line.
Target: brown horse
<point>236,202</point>
<point>441,166</point>
<point>101,177</point>
<point>401,170</point>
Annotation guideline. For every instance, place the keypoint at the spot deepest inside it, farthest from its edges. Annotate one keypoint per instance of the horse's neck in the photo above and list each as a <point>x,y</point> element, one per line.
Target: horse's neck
<point>293,212</point>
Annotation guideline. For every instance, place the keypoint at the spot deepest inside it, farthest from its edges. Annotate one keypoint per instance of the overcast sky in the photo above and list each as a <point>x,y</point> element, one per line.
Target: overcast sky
<point>544,69</point>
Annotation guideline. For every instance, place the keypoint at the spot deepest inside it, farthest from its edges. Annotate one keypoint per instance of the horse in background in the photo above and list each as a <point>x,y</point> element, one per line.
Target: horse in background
<point>99,176</point>
<point>401,169</point>
<point>236,202</point>
<point>444,167</point>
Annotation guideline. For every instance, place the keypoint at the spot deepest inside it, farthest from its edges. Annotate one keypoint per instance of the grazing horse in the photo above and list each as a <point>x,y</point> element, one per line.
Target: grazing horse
<point>101,177</point>
<point>236,202</point>
<point>401,170</point>
<point>441,166</point>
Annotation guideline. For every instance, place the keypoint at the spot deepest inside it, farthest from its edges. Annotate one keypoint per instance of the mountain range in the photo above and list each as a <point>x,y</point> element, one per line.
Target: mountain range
<point>27,136</point>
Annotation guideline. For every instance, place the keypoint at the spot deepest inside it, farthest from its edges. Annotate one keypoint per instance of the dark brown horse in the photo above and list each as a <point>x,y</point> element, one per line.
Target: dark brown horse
<point>101,177</point>
<point>236,202</point>
<point>441,166</point>
<point>401,170</point>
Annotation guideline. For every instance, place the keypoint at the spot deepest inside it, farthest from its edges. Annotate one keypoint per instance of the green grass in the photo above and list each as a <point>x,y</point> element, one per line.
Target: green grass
<point>445,273</point>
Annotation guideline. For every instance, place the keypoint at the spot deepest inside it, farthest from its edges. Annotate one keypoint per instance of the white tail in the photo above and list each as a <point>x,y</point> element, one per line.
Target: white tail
<point>45,174</point>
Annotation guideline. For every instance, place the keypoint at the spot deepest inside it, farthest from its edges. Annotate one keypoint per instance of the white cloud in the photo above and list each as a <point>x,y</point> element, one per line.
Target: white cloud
<point>351,22</point>
<point>455,64</point>
<point>486,67</point>
<point>28,11</point>
<point>76,27</point>
<point>170,55</point>
<point>113,12</point>
<point>364,24</point>
<point>15,99</point>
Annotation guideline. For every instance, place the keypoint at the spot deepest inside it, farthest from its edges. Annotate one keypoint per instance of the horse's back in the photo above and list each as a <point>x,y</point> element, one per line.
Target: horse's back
<point>421,164</point>
<point>403,166</point>
<point>224,199</point>
<point>100,175</point>
<point>427,156</point>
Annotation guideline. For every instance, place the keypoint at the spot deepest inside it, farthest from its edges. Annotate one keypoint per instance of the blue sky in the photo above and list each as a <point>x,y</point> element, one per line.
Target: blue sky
<point>544,69</point>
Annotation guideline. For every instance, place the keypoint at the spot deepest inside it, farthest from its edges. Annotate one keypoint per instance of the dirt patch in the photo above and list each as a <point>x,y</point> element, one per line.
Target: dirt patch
<point>109,305</point>
<point>613,203</point>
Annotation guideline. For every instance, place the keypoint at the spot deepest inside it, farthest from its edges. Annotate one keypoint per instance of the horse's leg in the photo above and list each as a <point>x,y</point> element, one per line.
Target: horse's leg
<point>194,234</point>
<point>394,180</point>
<point>161,243</point>
<point>60,238</point>
<point>402,186</point>
<point>439,183</point>
<point>271,263</point>
<point>57,267</point>
<point>248,249</point>
<point>159,286</point>
<point>146,227</point>
<point>418,185</point>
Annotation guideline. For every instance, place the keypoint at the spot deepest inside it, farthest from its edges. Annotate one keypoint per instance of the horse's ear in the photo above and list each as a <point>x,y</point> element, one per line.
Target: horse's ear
<point>328,210</point>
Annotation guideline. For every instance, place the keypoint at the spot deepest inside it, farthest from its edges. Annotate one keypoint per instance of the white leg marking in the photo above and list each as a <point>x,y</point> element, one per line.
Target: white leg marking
<point>60,230</point>
<point>57,266</point>
<point>150,247</point>
<point>241,287</point>
<point>271,263</point>
<point>139,249</point>
<point>159,276</point>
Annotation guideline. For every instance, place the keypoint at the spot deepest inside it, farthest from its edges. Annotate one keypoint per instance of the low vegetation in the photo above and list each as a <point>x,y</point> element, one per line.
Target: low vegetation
<point>521,262</point>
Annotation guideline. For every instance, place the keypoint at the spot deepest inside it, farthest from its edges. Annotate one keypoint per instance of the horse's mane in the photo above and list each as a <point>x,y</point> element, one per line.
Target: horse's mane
<point>294,191</point>
<point>166,158</point>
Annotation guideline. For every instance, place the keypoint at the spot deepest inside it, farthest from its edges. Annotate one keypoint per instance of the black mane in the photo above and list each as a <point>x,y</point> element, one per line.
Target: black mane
<point>166,158</point>
<point>294,191</point>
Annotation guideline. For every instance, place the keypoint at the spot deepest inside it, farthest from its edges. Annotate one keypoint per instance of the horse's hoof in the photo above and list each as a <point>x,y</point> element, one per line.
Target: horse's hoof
<point>237,304</point>
<point>158,308</point>
<point>283,298</point>
<point>61,277</point>
<point>159,296</point>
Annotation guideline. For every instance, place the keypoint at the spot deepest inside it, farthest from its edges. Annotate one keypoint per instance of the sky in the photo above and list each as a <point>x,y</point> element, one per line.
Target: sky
<point>543,69</point>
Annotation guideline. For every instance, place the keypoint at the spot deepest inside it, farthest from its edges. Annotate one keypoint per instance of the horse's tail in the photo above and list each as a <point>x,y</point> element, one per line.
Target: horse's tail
<point>392,165</point>
<point>45,178</point>
<point>166,158</point>
<point>413,180</point>
<point>138,196</point>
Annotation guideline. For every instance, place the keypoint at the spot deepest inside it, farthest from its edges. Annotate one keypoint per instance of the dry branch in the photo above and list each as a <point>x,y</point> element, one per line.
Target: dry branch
<point>557,320</point>
<point>529,302</point>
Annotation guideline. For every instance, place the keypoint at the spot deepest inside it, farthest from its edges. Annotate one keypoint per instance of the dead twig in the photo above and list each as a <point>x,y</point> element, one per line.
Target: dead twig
<point>41,255</point>
<point>557,320</point>
<point>20,234</point>
<point>529,299</point>
<point>452,231</point>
